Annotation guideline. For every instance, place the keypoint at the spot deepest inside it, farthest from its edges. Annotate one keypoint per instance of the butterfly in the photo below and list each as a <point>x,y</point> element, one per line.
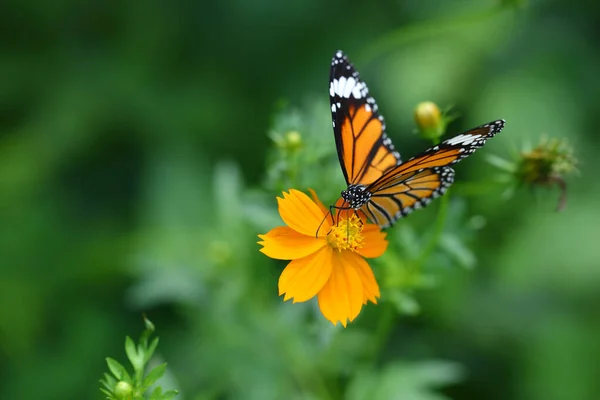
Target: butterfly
<point>379,184</point>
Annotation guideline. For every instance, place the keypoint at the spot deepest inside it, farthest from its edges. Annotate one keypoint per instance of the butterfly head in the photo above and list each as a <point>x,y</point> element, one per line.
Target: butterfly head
<point>356,196</point>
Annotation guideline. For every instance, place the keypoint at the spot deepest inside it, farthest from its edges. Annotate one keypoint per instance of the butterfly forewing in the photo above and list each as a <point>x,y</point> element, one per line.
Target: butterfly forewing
<point>364,150</point>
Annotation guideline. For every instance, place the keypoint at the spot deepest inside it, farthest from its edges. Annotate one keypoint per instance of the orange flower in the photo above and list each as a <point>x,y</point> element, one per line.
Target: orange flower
<point>329,263</point>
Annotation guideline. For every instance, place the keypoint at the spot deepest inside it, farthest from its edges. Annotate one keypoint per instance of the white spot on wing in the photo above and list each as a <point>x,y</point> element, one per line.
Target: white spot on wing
<point>357,91</point>
<point>341,86</point>
<point>350,85</point>
<point>462,139</point>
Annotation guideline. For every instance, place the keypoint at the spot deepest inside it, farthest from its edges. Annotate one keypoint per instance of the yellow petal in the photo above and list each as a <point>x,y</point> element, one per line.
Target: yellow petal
<point>284,243</point>
<point>341,298</point>
<point>370,286</point>
<point>301,214</point>
<point>374,244</point>
<point>303,278</point>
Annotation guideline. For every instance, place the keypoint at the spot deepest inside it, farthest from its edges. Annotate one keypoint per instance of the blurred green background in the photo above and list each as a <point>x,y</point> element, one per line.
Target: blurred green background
<point>133,153</point>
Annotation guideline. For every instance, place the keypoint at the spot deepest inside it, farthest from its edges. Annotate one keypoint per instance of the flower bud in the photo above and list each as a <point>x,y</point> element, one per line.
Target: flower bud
<point>430,121</point>
<point>123,390</point>
<point>288,141</point>
<point>293,140</point>
<point>427,115</point>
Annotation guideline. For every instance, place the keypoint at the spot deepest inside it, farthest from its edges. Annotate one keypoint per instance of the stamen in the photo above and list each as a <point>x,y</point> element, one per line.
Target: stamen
<point>347,234</point>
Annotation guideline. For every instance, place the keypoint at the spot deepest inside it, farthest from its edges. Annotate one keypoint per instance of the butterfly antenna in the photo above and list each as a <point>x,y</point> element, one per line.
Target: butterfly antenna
<point>324,218</point>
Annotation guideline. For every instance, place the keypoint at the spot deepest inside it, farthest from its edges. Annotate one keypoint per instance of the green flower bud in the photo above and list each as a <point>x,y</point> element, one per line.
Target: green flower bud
<point>123,390</point>
<point>430,120</point>
<point>427,115</point>
<point>288,141</point>
<point>293,140</point>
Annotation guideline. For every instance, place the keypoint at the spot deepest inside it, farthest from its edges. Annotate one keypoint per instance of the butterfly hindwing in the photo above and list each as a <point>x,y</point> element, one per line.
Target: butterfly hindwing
<point>364,150</point>
<point>406,193</point>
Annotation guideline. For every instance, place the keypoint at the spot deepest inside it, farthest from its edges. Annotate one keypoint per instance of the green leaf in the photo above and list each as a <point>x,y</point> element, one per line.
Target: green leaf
<point>147,332</point>
<point>409,242</point>
<point>398,380</point>
<point>115,367</point>
<point>126,377</point>
<point>156,392</point>
<point>404,303</point>
<point>454,247</point>
<point>501,163</point>
<point>154,375</point>
<point>109,384</point>
<point>150,350</point>
<point>130,349</point>
<point>109,379</point>
<point>149,325</point>
<point>136,359</point>
<point>107,393</point>
<point>171,394</point>
<point>437,373</point>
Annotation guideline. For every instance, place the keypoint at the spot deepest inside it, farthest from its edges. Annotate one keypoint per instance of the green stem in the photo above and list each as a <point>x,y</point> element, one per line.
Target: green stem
<point>384,327</point>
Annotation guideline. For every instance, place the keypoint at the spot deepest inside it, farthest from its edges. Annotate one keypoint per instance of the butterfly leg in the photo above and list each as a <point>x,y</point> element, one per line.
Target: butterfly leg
<point>360,221</point>
<point>334,221</point>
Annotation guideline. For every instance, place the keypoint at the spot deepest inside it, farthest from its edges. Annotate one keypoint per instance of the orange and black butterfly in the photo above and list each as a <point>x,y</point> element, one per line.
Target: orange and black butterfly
<point>379,183</point>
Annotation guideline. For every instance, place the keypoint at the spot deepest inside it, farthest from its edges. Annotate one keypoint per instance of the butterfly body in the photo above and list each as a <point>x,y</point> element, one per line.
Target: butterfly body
<point>356,196</point>
<point>379,183</point>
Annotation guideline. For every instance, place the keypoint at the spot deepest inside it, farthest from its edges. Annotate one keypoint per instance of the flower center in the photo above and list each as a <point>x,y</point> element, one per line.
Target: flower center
<point>347,234</point>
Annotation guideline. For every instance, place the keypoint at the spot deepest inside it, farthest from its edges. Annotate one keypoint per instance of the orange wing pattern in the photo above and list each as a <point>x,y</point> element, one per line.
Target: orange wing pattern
<point>379,184</point>
<point>406,193</point>
<point>364,150</point>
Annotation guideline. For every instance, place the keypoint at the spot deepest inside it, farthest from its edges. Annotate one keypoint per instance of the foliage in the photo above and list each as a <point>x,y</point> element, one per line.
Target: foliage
<point>125,386</point>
